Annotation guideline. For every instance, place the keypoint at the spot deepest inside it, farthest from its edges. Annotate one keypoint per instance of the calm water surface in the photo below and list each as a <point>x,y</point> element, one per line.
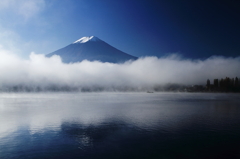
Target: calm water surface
<point>119,125</point>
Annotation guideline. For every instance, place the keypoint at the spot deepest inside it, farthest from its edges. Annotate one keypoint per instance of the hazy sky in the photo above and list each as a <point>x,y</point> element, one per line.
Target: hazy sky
<point>194,29</point>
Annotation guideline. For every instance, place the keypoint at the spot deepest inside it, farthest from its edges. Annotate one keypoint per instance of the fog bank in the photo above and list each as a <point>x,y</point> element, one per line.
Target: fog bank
<point>40,73</point>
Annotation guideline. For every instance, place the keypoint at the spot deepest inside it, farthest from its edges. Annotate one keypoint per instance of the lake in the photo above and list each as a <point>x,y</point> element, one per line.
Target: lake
<point>119,125</point>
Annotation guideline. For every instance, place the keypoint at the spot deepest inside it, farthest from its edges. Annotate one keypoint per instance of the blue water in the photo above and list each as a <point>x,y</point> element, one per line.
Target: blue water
<point>119,125</point>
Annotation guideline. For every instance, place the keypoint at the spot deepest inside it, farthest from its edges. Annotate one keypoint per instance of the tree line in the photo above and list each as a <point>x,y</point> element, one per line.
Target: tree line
<point>224,85</point>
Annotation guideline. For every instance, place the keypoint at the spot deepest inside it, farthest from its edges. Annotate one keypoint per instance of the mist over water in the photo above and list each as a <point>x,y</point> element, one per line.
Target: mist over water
<point>127,125</point>
<point>40,73</point>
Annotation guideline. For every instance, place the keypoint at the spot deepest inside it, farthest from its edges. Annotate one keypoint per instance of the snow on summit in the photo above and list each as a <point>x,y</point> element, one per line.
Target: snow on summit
<point>86,39</point>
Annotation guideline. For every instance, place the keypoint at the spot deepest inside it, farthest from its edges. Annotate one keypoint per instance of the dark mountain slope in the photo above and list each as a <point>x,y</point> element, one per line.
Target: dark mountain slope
<point>92,49</point>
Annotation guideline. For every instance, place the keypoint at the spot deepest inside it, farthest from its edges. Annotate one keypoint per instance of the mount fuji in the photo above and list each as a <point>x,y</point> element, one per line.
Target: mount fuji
<point>92,49</point>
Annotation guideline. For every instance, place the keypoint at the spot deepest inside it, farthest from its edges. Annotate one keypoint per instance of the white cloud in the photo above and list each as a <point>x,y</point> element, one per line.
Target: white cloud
<point>24,8</point>
<point>15,17</point>
<point>142,74</point>
<point>29,8</point>
<point>9,40</point>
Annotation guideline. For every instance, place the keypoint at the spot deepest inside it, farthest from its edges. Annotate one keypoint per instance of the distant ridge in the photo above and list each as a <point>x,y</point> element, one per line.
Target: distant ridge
<point>93,49</point>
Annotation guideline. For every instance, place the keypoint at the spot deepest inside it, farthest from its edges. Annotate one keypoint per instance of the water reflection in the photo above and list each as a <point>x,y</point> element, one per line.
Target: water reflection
<point>118,125</point>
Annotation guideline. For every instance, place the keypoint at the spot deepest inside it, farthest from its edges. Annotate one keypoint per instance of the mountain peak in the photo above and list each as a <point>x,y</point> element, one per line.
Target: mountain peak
<point>91,48</point>
<point>86,39</point>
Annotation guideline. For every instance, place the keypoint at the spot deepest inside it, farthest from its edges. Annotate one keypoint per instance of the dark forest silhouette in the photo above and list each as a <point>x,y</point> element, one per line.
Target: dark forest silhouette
<point>224,85</point>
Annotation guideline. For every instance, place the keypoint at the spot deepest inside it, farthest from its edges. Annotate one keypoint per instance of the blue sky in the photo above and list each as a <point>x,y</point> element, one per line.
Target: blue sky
<point>194,29</point>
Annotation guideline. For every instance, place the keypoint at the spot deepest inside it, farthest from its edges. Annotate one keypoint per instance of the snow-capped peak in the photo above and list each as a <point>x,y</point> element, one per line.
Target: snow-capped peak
<point>86,39</point>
